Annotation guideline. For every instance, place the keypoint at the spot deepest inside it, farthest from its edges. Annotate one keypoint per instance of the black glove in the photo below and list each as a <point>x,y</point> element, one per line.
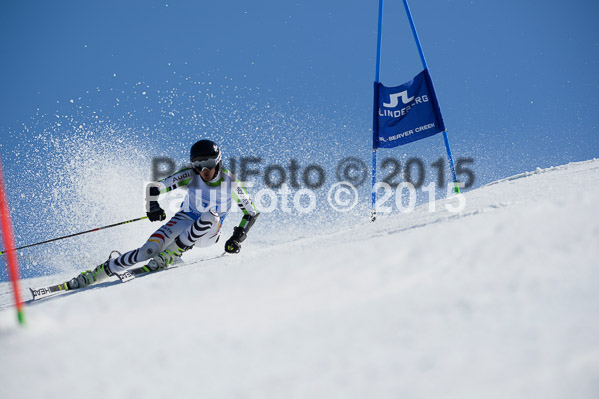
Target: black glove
<point>156,213</point>
<point>233,244</point>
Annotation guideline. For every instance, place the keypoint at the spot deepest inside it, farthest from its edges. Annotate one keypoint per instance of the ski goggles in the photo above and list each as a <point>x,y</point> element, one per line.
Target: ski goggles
<point>202,164</point>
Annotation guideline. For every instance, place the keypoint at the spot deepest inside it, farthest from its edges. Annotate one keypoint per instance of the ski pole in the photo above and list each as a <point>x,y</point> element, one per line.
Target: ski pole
<point>73,235</point>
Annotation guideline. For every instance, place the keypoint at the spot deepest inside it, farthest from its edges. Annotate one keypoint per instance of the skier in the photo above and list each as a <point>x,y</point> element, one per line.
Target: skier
<point>210,191</point>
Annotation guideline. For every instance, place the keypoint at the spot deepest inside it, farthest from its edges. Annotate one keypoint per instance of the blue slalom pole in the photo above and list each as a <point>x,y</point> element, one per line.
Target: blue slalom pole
<point>425,66</point>
<point>378,42</point>
<point>375,116</point>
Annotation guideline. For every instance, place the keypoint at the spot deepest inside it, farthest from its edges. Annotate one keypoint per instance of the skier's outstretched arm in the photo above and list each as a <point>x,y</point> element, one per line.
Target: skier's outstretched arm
<point>153,210</point>
<point>250,214</point>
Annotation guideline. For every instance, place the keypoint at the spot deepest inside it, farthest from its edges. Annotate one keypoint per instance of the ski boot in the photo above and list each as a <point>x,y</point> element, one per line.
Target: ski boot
<point>88,277</point>
<point>171,254</point>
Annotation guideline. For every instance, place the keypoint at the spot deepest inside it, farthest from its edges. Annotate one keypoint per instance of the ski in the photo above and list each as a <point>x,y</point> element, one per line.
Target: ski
<point>131,274</point>
<point>127,275</point>
<point>45,292</point>
<point>51,290</point>
<point>141,271</point>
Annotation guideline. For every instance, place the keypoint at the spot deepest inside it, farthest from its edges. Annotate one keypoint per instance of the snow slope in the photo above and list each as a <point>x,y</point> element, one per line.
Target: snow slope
<point>499,301</point>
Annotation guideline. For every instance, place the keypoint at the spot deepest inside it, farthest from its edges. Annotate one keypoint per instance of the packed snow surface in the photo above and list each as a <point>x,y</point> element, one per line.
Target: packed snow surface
<point>498,301</point>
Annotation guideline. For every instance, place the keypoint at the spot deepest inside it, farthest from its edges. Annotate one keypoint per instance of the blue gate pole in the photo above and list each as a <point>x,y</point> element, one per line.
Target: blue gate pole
<point>378,42</point>
<point>456,187</point>
<point>375,111</point>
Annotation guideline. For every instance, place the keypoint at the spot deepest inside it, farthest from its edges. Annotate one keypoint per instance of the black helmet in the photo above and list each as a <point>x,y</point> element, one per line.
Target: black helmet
<point>205,154</point>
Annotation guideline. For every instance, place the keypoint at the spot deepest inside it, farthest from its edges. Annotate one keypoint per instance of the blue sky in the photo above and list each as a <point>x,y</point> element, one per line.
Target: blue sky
<point>511,75</point>
<point>517,80</point>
